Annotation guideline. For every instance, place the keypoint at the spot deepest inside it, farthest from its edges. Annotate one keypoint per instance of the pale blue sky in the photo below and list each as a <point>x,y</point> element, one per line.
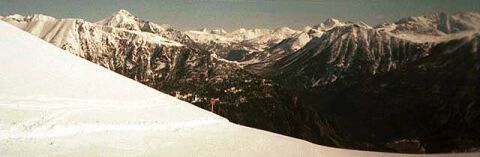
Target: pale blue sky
<point>233,14</point>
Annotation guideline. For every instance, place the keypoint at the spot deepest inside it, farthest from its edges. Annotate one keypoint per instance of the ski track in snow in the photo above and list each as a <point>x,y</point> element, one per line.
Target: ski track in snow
<point>58,118</point>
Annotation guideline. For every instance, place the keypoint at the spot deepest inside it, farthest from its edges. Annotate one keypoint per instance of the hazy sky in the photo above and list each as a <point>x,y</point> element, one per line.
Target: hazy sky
<point>233,14</point>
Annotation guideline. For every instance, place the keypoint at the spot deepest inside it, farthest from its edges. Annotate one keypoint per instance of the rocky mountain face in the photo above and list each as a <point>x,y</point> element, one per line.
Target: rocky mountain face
<point>352,50</point>
<point>257,62</point>
<point>343,51</point>
<point>400,92</point>
<point>426,106</point>
<point>402,87</point>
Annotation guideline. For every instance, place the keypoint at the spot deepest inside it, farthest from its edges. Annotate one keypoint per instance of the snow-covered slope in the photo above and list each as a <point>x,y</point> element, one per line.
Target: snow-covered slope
<point>55,104</point>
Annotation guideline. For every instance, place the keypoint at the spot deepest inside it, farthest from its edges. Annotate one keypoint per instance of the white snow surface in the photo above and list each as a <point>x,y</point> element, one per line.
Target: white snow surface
<point>53,103</point>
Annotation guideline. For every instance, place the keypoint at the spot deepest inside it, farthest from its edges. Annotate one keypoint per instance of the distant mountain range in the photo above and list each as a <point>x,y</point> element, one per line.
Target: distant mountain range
<point>409,86</point>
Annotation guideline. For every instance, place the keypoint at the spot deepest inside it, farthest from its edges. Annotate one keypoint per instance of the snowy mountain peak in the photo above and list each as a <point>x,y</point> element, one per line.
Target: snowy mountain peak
<point>219,31</point>
<point>123,12</point>
<point>121,19</point>
<point>19,18</point>
<point>16,17</point>
<point>328,24</point>
<point>205,30</point>
<point>307,28</point>
<point>363,24</point>
<point>43,17</point>
<point>437,24</point>
<point>238,31</point>
<point>285,30</point>
<point>331,22</point>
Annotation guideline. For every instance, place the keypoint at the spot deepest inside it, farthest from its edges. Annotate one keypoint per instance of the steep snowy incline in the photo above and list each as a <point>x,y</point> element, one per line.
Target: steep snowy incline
<point>56,104</point>
<point>56,92</point>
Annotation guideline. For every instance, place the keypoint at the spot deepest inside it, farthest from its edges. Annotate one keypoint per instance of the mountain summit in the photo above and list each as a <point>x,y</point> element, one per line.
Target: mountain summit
<point>122,19</point>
